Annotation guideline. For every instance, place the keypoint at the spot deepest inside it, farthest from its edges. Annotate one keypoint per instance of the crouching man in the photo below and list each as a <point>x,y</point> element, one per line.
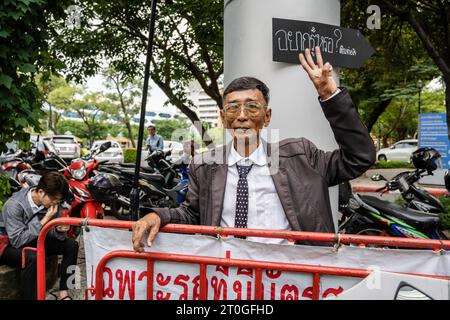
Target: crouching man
<point>23,216</point>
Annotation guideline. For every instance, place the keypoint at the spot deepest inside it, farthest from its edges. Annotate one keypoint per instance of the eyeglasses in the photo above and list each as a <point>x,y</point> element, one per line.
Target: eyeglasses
<point>54,201</point>
<point>250,108</point>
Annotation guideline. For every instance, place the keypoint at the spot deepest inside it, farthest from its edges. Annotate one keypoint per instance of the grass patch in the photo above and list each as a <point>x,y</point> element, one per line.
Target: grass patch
<point>392,165</point>
<point>445,216</point>
<point>129,155</point>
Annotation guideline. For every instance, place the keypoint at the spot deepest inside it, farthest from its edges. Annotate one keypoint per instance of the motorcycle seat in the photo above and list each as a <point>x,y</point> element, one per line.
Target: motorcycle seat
<point>150,177</point>
<point>423,221</point>
<point>122,166</point>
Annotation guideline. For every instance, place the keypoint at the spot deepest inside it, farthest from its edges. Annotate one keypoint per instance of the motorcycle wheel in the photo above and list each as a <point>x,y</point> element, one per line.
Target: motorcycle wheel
<point>374,232</point>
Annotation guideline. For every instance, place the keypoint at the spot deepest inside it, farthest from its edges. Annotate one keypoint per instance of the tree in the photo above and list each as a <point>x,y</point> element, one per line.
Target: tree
<point>45,88</point>
<point>399,121</point>
<point>400,61</point>
<point>430,22</point>
<point>24,50</point>
<point>166,128</point>
<point>90,107</point>
<point>188,45</point>
<point>123,101</point>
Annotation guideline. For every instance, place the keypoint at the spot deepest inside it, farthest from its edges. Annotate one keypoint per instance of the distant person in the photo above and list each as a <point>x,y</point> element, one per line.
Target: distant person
<point>154,141</point>
<point>23,216</point>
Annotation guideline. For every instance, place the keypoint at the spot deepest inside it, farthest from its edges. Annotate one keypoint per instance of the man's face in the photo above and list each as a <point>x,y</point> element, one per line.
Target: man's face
<point>245,113</point>
<point>151,131</point>
<point>47,200</point>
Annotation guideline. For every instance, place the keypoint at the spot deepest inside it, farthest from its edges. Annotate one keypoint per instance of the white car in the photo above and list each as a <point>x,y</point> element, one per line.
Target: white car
<point>399,151</point>
<point>113,154</point>
<point>66,145</point>
<point>176,147</point>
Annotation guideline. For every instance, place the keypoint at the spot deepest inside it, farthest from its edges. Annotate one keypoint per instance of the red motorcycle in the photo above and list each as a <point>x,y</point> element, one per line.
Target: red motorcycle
<point>14,163</point>
<point>41,157</point>
<point>89,188</point>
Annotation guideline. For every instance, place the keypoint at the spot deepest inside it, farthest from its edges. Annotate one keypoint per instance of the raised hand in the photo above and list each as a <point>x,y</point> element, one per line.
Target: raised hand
<point>321,75</point>
<point>51,212</point>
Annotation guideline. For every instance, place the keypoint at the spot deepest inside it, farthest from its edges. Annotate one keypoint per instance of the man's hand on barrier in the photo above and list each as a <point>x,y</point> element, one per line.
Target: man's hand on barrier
<point>321,75</point>
<point>149,223</point>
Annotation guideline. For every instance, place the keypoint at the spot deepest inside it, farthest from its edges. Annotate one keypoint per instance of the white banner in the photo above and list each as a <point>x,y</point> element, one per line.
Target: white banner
<point>127,278</point>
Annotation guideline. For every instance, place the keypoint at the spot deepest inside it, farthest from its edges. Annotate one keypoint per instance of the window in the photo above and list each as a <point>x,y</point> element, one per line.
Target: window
<point>63,140</point>
<point>164,115</point>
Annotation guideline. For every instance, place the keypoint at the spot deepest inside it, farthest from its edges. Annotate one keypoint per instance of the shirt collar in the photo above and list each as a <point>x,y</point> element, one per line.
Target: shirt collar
<point>257,157</point>
<point>33,205</point>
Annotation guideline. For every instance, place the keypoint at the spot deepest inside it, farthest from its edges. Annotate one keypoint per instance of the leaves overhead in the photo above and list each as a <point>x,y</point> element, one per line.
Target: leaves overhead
<point>24,50</point>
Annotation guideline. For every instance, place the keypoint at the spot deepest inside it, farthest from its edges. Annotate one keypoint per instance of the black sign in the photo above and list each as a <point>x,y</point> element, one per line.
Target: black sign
<point>339,46</point>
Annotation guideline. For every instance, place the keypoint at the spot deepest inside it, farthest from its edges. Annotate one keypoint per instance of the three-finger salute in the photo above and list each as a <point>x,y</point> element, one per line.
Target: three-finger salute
<point>320,74</point>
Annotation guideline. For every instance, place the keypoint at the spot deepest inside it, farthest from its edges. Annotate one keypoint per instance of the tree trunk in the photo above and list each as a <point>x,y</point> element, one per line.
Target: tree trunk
<point>376,113</point>
<point>130,133</point>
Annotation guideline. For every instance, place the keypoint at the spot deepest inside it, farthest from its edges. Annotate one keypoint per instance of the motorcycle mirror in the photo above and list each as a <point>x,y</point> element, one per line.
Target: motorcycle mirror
<point>105,146</point>
<point>378,177</point>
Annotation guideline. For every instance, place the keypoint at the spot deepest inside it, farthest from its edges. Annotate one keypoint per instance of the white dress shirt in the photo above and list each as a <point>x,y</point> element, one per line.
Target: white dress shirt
<point>264,206</point>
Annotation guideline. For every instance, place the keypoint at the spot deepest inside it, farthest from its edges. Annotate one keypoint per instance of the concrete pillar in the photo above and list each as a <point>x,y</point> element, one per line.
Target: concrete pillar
<point>248,51</point>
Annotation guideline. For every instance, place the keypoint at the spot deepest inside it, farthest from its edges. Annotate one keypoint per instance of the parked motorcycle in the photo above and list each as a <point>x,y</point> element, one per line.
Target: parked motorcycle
<point>38,161</point>
<point>90,189</point>
<point>369,215</point>
<point>164,185</point>
<point>425,160</point>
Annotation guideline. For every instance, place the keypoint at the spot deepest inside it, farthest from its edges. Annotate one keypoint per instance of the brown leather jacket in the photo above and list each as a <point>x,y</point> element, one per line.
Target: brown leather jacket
<point>301,179</point>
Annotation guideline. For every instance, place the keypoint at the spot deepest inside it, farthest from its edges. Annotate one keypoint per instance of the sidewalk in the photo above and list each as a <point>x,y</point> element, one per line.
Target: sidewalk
<point>365,184</point>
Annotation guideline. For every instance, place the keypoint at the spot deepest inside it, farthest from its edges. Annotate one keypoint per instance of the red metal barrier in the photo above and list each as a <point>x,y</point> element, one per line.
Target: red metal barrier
<point>203,261</point>
<point>434,191</point>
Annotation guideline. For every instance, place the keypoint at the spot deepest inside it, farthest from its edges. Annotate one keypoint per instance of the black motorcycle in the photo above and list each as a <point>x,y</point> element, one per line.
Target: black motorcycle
<point>163,185</point>
<point>368,215</point>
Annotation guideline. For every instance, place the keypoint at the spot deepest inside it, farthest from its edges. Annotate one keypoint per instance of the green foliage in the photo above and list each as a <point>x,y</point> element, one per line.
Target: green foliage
<point>188,44</point>
<point>24,50</point>
<point>123,100</point>
<point>389,77</point>
<point>445,216</point>
<point>168,128</point>
<point>392,165</point>
<point>4,190</point>
<point>78,129</point>
<point>129,155</point>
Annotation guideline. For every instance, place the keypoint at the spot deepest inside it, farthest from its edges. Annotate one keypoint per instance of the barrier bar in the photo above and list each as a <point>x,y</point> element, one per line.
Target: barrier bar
<point>221,231</point>
<point>203,261</point>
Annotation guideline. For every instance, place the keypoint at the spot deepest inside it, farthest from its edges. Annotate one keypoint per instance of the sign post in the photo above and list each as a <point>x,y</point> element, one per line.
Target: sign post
<point>340,46</point>
<point>249,27</point>
<point>433,133</point>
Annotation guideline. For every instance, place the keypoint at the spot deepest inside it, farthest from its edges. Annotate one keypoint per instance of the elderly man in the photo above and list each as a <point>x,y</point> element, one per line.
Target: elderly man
<point>244,192</point>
